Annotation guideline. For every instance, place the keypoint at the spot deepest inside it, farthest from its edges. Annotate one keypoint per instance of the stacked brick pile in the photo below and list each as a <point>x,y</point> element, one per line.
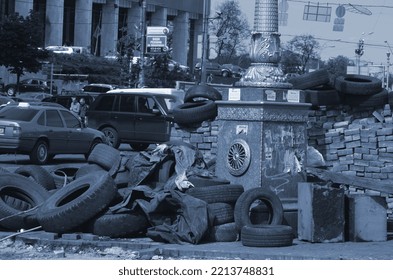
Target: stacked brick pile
<point>204,136</point>
<point>355,142</point>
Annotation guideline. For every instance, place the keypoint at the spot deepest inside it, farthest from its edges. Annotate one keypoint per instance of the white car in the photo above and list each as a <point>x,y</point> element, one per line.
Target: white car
<point>60,49</point>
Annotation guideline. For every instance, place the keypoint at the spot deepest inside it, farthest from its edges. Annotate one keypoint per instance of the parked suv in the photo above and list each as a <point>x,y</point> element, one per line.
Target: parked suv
<point>96,89</point>
<point>139,117</point>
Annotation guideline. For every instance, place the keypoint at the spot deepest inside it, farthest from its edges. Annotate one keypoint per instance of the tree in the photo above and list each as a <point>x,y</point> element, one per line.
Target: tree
<point>20,42</point>
<point>231,29</point>
<point>337,66</point>
<point>300,50</point>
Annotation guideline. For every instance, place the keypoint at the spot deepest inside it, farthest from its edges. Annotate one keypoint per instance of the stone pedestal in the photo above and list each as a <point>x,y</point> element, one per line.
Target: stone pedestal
<point>367,218</point>
<point>321,213</point>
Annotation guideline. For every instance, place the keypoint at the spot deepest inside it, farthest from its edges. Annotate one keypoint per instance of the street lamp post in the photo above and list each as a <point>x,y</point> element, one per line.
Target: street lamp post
<point>206,8</point>
<point>359,52</point>
<point>388,70</point>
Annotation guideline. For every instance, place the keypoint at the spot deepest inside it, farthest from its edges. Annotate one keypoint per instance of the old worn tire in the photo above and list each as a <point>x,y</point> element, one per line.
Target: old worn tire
<point>363,101</point>
<point>119,224</point>
<point>39,174</point>
<point>310,80</point>
<point>228,193</point>
<point>105,156</point>
<point>4,171</point>
<point>202,91</point>
<point>87,169</point>
<point>199,181</point>
<point>220,213</point>
<point>248,198</point>
<point>78,202</point>
<point>195,112</point>
<point>266,235</point>
<point>63,174</point>
<point>358,84</point>
<point>223,233</point>
<point>17,194</point>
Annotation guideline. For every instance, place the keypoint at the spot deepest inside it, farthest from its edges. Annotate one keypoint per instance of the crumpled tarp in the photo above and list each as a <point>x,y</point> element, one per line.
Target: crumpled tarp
<point>175,216</point>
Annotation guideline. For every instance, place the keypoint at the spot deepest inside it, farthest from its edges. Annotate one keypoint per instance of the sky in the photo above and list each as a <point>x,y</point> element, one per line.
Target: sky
<point>374,29</point>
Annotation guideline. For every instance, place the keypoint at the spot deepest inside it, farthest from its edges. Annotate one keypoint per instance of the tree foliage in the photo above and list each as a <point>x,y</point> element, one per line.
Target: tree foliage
<point>337,66</point>
<point>231,29</point>
<point>20,42</point>
<point>299,51</point>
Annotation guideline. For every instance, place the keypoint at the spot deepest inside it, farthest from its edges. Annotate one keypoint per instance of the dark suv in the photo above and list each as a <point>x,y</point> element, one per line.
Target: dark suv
<point>139,117</point>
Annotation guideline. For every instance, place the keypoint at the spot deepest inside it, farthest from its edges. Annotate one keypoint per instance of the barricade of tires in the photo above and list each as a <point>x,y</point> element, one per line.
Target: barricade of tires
<point>82,198</point>
<point>199,105</point>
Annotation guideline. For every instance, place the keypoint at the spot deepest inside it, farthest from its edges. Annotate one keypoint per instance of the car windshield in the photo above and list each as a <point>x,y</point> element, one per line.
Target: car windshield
<point>18,114</point>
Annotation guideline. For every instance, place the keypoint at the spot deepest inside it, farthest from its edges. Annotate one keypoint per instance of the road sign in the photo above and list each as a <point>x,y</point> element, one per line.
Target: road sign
<point>156,44</point>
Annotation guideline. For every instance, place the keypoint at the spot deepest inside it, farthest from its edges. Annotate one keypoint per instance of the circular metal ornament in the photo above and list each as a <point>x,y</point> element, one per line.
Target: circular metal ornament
<point>238,157</point>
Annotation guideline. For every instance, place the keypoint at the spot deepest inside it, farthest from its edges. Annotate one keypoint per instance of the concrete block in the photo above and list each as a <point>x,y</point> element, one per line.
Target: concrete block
<point>366,219</point>
<point>321,213</point>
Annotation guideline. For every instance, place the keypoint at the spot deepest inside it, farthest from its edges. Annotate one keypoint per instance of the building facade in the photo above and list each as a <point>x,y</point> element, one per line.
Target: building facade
<point>99,24</point>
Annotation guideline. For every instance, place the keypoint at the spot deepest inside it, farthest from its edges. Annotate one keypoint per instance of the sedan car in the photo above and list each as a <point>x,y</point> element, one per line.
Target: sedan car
<point>33,96</point>
<point>30,85</point>
<point>213,68</point>
<point>42,130</point>
<point>231,70</point>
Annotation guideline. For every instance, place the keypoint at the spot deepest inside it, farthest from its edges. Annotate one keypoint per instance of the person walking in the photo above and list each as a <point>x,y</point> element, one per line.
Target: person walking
<point>82,110</point>
<point>75,106</point>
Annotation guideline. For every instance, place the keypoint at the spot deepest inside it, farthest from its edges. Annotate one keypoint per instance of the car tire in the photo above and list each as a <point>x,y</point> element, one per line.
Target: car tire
<point>267,236</point>
<point>17,194</point>
<point>63,174</point>
<point>225,74</point>
<point>223,233</point>
<point>87,169</point>
<point>362,101</point>
<point>4,171</point>
<point>105,156</point>
<point>220,213</point>
<point>249,197</point>
<point>112,136</point>
<point>228,193</point>
<point>119,224</point>
<point>40,153</point>
<point>38,174</point>
<point>139,146</point>
<point>80,201</point>
<point>202,91</point>
<point>323,97</point>
<point>310,80</point>
<point>93,145</point>
<point>358,84</point>
<point>195,112</point>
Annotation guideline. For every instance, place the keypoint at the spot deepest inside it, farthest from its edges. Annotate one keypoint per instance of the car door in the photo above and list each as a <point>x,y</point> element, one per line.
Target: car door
<point>78,141</point>
<point>123,116</point>
<point>151,125</point>
<point>56,131</point>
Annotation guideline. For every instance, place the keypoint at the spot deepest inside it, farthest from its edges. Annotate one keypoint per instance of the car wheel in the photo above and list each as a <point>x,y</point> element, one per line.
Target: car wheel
<point>39,155</point>
<point>139,146</point>
<point>112,136</point>
<point>225,74</point>
<point>11,91</point>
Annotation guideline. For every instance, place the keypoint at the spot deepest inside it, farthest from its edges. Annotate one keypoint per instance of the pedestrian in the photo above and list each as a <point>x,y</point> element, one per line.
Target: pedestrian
<point>83,109</point>
<point>75,106</point>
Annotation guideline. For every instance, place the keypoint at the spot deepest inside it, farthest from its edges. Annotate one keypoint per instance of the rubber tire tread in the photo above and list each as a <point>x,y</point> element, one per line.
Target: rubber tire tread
<point>199,181</point>
<point>267,236</point>
<point>212,94</point>
<point>39,174</point>
<point>310,80</point>
<point>228,193</point>
<point>243,204</point>
<point>195,112</point>
<point>220,213</point>
<point>87,169</point>
<point>375,100</point>
<point>20,191</point>
<point>105,156</point>
<point>57,173</point>
<point>223,233</point>
<point>68,208</point>
<point>357,84</point>
<point>4,171</point>
<point>119,224</point>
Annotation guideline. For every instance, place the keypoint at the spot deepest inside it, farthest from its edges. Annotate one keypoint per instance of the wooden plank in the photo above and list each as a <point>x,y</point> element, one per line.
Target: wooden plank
<point>383,186</point>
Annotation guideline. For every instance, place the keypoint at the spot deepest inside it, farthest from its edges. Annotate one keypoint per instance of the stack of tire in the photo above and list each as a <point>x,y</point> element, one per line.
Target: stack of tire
<point>220,196</point>
<point>318,89</point>
<point>199,105</point>
<point>361,91</point>
<point>257,232</point>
